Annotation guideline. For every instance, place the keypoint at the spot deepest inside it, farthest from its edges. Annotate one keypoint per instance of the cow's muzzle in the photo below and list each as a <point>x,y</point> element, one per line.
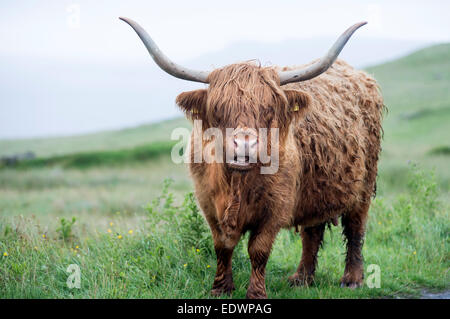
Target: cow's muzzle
<point>244,147</point>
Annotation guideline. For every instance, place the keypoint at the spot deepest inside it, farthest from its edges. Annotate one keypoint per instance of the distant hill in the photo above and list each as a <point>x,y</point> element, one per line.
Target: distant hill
<point>102,141</point>
<point>359,52</point>
<point>416,89</point>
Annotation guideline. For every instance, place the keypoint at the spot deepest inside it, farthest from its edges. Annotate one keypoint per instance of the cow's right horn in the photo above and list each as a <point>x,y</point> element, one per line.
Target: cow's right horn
<point>164,63</point>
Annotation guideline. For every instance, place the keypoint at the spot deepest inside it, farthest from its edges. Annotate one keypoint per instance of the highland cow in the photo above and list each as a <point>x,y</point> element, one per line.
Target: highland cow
<point>329,119</point>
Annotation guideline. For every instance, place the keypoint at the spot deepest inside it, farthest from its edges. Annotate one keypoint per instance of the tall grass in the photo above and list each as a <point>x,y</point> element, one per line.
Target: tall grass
<point>169,253</point>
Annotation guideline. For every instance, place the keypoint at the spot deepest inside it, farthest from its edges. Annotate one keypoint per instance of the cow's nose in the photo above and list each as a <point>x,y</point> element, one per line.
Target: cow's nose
<point>245,145</point>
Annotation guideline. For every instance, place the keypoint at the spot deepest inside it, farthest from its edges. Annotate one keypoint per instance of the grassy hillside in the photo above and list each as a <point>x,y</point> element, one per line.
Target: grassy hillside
<point>109,140</point>
<point>417,94</point>
<point>127,247</point>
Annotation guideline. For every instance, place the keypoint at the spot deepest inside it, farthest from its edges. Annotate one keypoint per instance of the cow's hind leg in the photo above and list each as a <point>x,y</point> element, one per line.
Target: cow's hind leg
<point>312,238</point>
<point>354,224</point>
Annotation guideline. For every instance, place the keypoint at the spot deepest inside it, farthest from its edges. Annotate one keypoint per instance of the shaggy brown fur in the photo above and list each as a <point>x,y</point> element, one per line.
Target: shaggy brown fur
<point>328,164</point>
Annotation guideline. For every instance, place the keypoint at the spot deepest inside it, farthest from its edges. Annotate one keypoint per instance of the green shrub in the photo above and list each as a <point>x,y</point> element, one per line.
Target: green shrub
<point>65,229</point>
<point>184,221</point>
<point>192,226</point>
<point>440,150</point>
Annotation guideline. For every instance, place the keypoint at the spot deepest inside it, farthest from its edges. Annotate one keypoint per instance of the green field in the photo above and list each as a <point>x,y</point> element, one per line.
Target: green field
<point>135,238</point>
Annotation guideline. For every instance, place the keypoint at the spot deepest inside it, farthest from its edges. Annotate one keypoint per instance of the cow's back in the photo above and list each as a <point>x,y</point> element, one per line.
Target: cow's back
<point>339,141</point>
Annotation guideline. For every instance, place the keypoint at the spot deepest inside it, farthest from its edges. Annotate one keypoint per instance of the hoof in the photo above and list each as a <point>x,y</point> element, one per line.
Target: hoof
<point>256,295</point>
<point>352,279</point>
<point>220,291</point>
<point>352,284</point>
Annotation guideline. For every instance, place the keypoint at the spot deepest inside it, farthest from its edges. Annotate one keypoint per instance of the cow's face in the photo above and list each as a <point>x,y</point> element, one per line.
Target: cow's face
<point>244,97</point>
<point>242,101</point>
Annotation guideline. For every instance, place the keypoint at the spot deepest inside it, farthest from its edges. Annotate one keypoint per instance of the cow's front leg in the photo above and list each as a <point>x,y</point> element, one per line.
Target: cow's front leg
<point>223,281</point>
<point>259,247</point>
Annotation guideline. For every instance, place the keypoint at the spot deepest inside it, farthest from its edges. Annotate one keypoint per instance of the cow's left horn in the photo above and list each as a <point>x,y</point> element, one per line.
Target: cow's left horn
<point>323,64</point>
<point>164,63</point>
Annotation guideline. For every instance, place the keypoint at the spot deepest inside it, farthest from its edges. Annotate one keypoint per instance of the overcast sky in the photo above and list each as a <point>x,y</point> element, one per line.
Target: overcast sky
<point>185,29</point>
<point>67,32</point>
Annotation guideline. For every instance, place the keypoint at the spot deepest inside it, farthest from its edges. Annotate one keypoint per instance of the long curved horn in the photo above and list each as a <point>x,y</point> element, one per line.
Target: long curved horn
<point>323,64</point>
<point>164,63</point>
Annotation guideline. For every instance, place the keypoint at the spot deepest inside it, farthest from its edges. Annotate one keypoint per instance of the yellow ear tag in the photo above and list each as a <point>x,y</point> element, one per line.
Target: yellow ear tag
<point>296,108</point>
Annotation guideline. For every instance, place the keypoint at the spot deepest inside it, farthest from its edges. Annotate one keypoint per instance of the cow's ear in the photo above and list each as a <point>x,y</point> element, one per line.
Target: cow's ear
<point>192,103</point>
<point>298,101</point>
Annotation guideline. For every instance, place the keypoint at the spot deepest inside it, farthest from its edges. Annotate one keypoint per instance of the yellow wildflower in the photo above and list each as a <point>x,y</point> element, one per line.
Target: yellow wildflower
<point>111,223</point>
<point>198,250</point>
<point>43,236</point>
<point>76,247</point>
<point>414,252</point>
<point>5,254</point>
<point>119,237</point>
<point>130,232</point>
<point>208,266</point>
<point>185,265</point>
<point>109,230</point>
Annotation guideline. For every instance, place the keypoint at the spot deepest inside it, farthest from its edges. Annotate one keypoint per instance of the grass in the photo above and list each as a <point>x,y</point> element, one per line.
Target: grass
<point>107,180</point>
<point>169,253</point>
<point>92,194</point>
